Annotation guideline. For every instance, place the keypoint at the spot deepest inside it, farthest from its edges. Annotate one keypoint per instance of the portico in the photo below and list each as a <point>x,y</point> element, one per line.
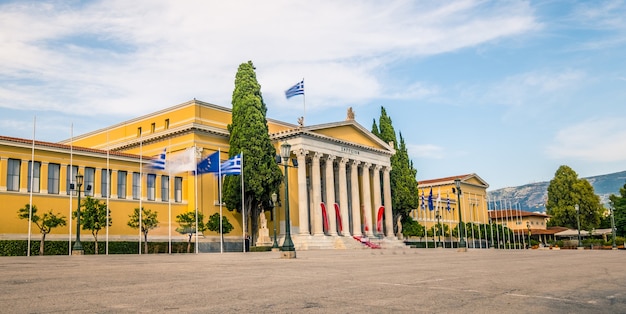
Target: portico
<point>343,185</point>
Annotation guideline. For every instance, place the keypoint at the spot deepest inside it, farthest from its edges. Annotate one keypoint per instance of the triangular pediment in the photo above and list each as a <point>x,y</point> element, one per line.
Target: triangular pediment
<point>349,131</point>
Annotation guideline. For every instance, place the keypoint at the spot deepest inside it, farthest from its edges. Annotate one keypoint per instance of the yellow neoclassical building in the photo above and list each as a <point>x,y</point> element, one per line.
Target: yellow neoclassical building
<point>339,190</point>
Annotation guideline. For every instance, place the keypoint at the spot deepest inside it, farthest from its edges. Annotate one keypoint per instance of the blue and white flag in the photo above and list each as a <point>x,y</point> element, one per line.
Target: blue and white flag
<point>448,205</point>
<point>423,201</point>
<point>231,166</point>
<point>297,89</point>
<point>159,162</point>
<point>209,164</point>
<point>430,200</point>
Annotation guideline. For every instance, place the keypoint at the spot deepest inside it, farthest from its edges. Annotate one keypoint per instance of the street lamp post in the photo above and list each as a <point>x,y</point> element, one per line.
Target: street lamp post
<point>528,227</point>
<point>288,249</point>
<point>78,247</point>
<point>274,199</point>
<point>461,228</point>
<point>578,221</point>
<point>438,227</point>
<point>614,246</point>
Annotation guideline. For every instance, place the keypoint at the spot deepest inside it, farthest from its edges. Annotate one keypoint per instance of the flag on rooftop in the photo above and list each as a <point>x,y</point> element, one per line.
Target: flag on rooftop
<point>295,90</point>
<point>209,164</point>
<point>231,166</point>
<point>159,162</point>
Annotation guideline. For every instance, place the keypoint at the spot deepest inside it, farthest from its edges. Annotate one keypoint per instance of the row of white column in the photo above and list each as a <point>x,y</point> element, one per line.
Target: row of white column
<point>359,217</point>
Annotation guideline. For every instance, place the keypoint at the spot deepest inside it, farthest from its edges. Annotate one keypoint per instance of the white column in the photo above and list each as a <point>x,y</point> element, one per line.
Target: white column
<point>356,203</point>
<point>377,199</point>
<point>343,197</point>
<point>330,196</point>
<point>367,198</point>
<point>303,206</point>
<point>316,182</point>
<point>388,202</point>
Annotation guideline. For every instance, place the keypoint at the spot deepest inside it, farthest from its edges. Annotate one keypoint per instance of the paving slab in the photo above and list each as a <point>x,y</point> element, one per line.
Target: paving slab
<point>323,281</point>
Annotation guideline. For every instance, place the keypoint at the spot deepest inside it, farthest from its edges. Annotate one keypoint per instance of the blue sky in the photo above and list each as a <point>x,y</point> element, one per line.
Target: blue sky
<point>509,90</point>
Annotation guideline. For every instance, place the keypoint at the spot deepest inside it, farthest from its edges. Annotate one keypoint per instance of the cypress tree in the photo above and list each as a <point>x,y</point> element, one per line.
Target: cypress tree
<point>404,196</point>
<point>249,135</point>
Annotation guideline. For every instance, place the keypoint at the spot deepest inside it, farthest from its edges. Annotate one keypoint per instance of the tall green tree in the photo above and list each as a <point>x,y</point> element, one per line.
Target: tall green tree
<point>618,204</point>
<point>93,217</point>
<point>149,221</point>
<point>187,225</point>
<point>249,135</point>
<point>404,196</point>
<point>45,223</point>
<point>564,192</point>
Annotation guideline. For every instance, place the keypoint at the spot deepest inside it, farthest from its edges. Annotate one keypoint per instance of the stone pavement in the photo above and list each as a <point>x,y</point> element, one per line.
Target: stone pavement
<point>329,281</point>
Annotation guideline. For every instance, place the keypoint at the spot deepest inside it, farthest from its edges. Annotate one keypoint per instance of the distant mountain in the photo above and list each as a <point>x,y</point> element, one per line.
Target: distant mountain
<point>532,197</point>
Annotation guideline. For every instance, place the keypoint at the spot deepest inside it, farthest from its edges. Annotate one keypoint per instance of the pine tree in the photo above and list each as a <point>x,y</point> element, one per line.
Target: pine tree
<point>249,135</point>
<point>564,192</point>
<point>404,196</point>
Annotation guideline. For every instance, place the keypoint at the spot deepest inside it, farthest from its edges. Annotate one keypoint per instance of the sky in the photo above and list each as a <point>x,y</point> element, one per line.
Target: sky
<point>509,90</point>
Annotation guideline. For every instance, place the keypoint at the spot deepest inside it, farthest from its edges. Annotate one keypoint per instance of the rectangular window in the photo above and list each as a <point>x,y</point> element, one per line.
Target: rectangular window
<point>151,186</point>
<point>178,189</point>
<point>167,124</point>
<point>138,131</point>
<point>90,180</point>
<point>136,185</point>
<point>165,188</point>
<point>36,167</point>
<point>54,177</point>
<point>70,182</point>
<point>105,182</point>
<point>13,174</point>
<point>152,127</point>
<point>121,184</point>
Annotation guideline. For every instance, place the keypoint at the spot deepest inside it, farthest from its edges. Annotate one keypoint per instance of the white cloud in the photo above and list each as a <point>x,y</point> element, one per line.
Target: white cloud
<point>596,140</point>
<point>132,57</point>
<point>428,151</point>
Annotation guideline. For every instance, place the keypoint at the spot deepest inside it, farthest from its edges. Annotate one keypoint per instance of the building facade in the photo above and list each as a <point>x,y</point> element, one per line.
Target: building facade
<point>339,189</point>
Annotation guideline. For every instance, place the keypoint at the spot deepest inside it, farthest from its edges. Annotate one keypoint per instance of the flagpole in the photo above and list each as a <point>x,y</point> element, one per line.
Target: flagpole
<point>220,182</point>
<point>32,169</point>
<point>140,185</point>
<point>195,179</point>
<point>303,105</point>
<point>243,205</point>
<point>69,228</point>
<point>108,174</point>
<point>169,200</point>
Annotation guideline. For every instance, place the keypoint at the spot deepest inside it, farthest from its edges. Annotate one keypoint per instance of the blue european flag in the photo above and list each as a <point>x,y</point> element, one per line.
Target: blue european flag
<point>210,163</point>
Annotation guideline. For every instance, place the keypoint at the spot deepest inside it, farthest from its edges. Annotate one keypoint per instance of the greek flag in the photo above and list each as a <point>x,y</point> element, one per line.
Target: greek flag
<point>423,201</point>
<point>231,166</point>
<point>297,89</point>
<point>448,205</point>
<point>159,162</point>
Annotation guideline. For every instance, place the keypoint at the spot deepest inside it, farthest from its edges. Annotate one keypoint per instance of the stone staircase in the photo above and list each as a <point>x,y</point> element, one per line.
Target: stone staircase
<point>343,243</point>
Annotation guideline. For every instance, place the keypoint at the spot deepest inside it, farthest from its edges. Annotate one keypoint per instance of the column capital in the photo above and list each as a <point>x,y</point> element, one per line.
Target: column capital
<point>367,165</point>
<point>301,152</point>
<point>387,168</point>
<point>344,160</point>
<point>355,163</point>
<point>330,158</point>
<point>377,167</point>
<point>317,155</point>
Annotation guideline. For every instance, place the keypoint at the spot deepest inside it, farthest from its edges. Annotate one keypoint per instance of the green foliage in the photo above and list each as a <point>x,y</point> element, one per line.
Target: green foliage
<point>439,229</point>
<point>214,224</point>
<point>18,247</point>
<point>412,228</point>
<point>618,204</point>
<point>45,223</point>
<point>249,135</point>
<point>564,192</point>
<point>148,222</point>
<point>404,196</point>
<point>93,217</point>
<point>187,222</point>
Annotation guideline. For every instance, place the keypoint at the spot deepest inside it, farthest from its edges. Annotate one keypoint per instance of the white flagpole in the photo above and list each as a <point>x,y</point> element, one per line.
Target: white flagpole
<point>221,183</point>
<point>140,185</point>
<point>243,204</point>
<point>32,169</point>
<point>195,179</point>
<point>70,192</point>
<point>303,104</point>
<point>495,207</point>
<point>169,200</point>
<point>108,174</point>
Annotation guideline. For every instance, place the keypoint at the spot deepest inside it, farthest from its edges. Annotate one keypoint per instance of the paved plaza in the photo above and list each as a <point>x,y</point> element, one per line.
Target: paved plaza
<point>329,281</point>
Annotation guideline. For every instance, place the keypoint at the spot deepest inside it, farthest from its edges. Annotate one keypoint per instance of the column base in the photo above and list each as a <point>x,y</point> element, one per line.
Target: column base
<point>287,254</point>
<point>78,252</point>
